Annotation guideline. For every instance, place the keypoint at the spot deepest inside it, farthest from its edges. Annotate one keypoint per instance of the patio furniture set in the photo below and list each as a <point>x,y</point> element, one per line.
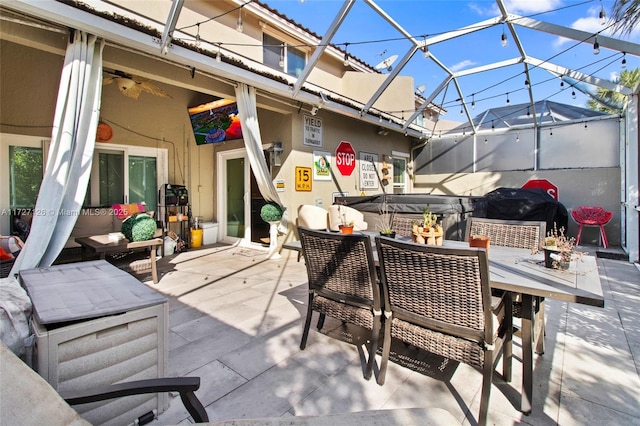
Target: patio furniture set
<point>451,300</point>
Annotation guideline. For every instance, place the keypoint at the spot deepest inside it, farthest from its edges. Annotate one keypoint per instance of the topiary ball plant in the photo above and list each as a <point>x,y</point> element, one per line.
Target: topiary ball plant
<point>271,212</point>
<point>138,227</point>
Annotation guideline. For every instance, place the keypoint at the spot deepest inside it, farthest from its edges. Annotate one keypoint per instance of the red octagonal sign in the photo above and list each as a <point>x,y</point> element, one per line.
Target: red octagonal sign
<point>549,187</point>
<point>345,158</point>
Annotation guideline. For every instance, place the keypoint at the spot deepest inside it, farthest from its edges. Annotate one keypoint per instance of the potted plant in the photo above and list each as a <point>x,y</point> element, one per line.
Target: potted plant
<point>272,214</point>
<point>558,249</point>
<point>429,232</point>
<point>385,220</point>
<point>346,226</point>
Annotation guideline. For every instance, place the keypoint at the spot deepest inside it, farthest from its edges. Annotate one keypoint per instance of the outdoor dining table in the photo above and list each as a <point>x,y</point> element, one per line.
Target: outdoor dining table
<point>520,271</point>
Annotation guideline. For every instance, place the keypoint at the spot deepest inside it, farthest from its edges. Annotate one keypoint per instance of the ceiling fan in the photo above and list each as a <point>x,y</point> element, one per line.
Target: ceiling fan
<point>132,85</point>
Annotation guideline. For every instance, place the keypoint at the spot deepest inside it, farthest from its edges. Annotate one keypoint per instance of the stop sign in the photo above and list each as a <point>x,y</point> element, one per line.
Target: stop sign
<point>345,158</point>
<point>549,188</point>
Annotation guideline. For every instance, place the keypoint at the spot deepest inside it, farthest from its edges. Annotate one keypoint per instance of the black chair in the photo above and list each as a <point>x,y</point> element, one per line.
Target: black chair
<point>439,299</point>
<point>342,283</point>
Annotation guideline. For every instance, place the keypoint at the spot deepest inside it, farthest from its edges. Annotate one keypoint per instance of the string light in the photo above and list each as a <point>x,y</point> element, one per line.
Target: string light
<point>573,94</point>
<point>624,60</point>
<point>473,101</point>
<point>218,58</point>
<point>503,38</point>
<point>518,137</point>
<point>528,112</point>
<point>508,101</point>
<point>602,15</point>
<point>281,62</point>
<point>239,25</point>
<point>596,46</point>
<point>346,55</point>
<point>198,39</point>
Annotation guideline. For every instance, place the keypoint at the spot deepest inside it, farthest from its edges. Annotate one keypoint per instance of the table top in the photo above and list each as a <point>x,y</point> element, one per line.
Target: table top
<point>520,271</point>
<point>84,290</point>
<point>102,243</point>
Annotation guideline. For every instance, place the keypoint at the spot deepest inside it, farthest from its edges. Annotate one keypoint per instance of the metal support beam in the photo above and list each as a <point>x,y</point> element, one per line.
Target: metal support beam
<point>326,39</point>
<point>172,19</point>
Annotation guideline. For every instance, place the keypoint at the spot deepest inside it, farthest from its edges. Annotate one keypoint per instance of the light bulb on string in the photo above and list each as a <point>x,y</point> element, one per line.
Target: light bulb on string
<point>602,15</point>
<point>198,39</point>
<point>518,137</point>
<point>573,94</point>
<point>346,55</point>
<point>281,62</point>
<point>218,58</point>
<point>596,46</point>
<point>239,25</point>
<point>473,101</point>
<point>623,65</point>
<point>508,101</point>
<point>503,39</point>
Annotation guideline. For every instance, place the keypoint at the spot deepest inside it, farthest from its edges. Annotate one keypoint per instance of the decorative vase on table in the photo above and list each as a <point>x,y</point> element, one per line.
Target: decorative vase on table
<point>346,229</point>
<point>429,232</point>
<point>558,249</point>
<point>480,241</point>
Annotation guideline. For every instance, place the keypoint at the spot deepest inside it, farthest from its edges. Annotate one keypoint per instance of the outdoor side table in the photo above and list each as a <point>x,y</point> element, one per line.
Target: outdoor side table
<point>95,324</point>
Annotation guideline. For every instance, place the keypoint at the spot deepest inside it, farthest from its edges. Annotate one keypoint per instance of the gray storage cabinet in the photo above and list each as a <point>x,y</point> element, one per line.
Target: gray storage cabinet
<point>95,324</point>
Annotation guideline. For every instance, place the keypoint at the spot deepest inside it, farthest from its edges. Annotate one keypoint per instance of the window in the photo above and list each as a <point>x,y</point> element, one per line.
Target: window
<point>122,174</point>
<point>282,56</point>
<point>400,173</point>
<point>25,176</point>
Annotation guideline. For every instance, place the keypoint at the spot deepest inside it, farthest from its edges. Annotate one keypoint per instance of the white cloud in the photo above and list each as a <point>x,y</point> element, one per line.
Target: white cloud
<point>531,6</point>
<point>461,65</point>
<point>521,7</point>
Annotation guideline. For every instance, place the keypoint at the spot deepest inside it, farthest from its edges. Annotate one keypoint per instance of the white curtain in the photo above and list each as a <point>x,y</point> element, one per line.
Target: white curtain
<point>70,154</point>
<point>246,98</point>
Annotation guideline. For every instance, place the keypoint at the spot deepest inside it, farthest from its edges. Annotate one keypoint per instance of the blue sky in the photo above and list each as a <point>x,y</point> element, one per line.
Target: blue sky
<point>372,39</point>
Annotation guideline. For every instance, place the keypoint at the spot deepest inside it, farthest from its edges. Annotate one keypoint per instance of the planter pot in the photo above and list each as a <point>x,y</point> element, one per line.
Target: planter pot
<point>388,234</point>
<point>480,242</point>
<point>432,237</point>
<point>557,260</point>
<point>346,229</point>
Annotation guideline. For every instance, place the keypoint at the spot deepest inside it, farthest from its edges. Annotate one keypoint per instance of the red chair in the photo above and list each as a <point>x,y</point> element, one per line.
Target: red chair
<point>592,216</point>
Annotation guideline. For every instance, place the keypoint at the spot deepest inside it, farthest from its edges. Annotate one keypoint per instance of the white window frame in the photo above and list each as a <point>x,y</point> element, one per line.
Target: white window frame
<point>405,187</point>
<point>160,154</point>
<point>286,41</point>
<point>7,139</point>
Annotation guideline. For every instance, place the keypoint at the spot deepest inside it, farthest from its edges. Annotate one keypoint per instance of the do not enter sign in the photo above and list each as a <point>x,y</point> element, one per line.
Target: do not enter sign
<point>345,158</point>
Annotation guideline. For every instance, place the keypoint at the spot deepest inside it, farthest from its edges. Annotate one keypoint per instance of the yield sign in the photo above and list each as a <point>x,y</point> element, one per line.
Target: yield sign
<point>550,188</point>
<point>345,158</point>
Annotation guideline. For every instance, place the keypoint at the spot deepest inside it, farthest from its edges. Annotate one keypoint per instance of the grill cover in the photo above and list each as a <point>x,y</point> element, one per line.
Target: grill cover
<point>526,204</point>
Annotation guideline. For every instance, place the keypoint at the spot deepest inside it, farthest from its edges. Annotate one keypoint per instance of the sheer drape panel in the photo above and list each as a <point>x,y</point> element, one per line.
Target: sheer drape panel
<point>70,154</point>
<point>247,110</point>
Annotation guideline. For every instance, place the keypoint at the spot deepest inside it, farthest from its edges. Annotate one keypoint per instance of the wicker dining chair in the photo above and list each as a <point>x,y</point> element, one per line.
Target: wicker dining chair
<point>439,299</point>
<point>528,234</point>
<point>403,226</point>
<point>342,283</point>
